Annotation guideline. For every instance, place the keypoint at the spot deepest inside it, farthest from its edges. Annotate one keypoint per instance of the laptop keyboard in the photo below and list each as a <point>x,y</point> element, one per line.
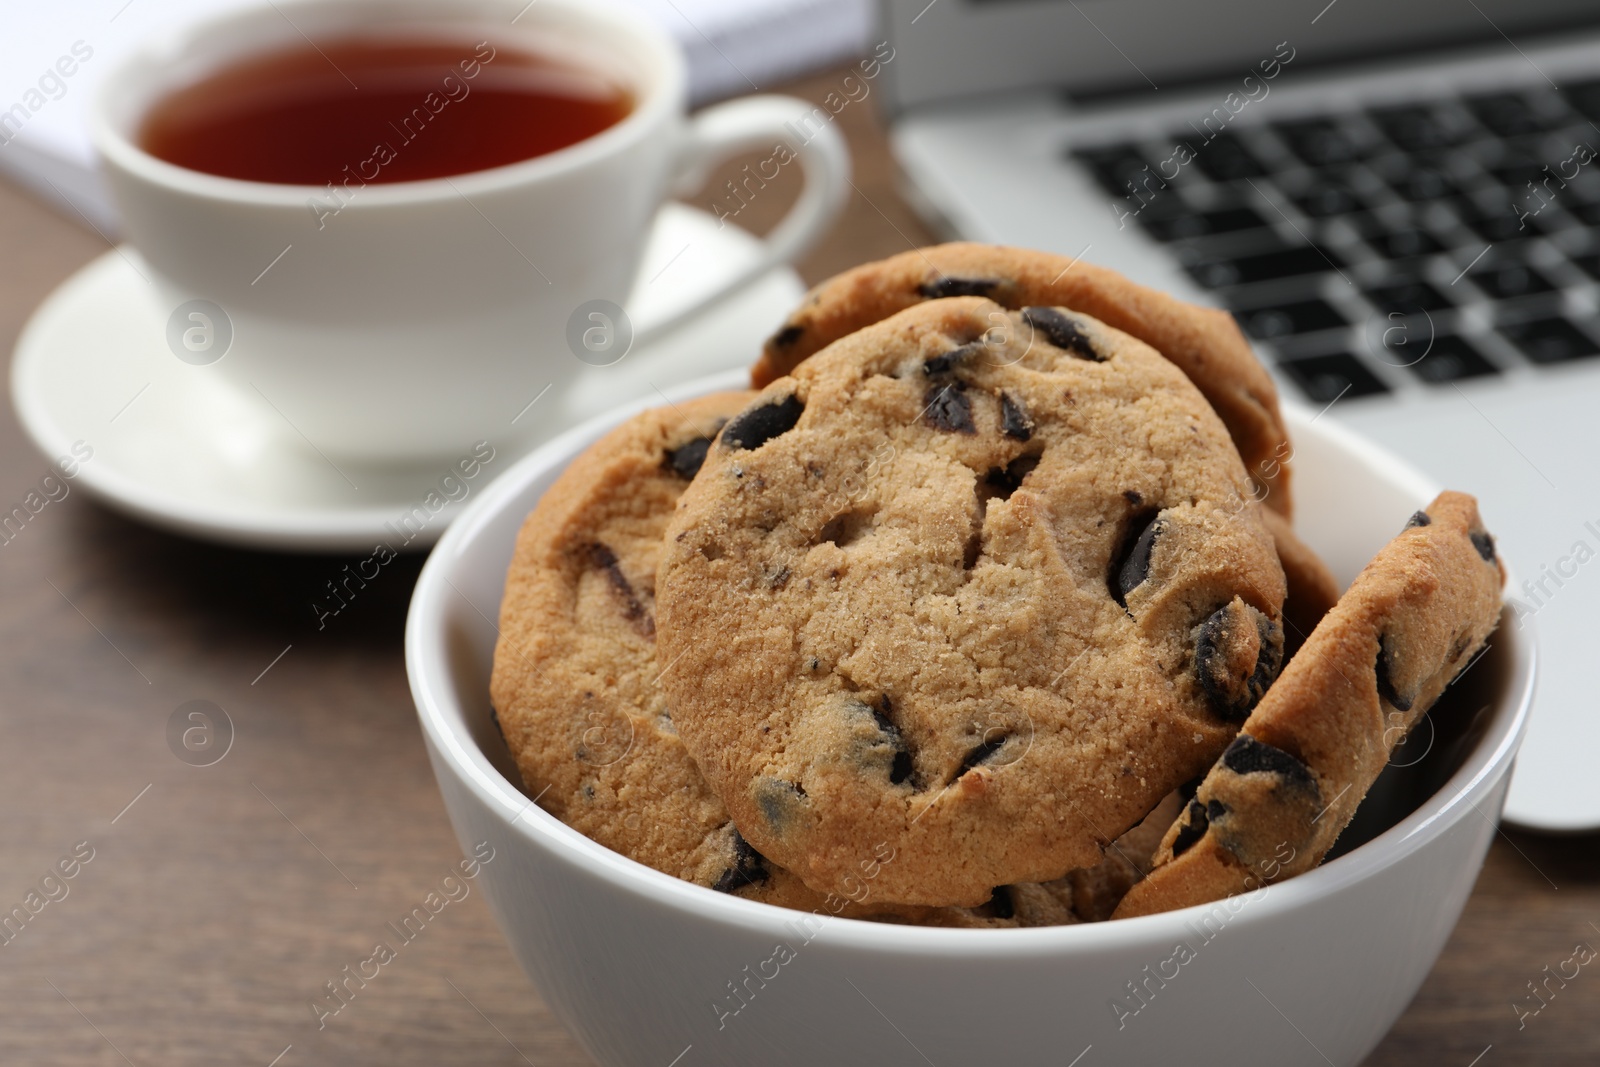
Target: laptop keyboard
<point>1368,250</point>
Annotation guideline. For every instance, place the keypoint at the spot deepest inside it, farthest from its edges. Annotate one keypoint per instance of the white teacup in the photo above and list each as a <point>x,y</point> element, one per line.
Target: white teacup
<point>421,314</point>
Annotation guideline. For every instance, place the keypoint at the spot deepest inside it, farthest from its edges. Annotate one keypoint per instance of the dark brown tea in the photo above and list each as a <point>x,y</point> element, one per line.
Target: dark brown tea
<point>380,110</point>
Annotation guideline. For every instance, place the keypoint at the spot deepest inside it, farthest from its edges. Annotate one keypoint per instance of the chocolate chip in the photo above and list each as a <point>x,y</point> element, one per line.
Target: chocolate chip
<point>786,337</point>
<point>1383,670</point>
<point>756,426</point>
<point>1001,904</point>
<point>603,559</point>
<point>778,578</point>
<point>1421,518</point>
<point>947,287</point>
<point>1246,755</point>
<point>779,801</point>
<point>1231,688</point>
<point>749,867</point>
<point>1003,481</point>
<point>1215,809</point>
<point>686,460</point>
<point>1484,543</point>
<point>901,767</point>
<point>1061,331</point>
<point>948,407</point>
<point>1131,565</point>
<point>986,748</point>
<point>948,362</point>
<point>1014,420</point>
<point>1193,829</point>
<point>1133,497</point>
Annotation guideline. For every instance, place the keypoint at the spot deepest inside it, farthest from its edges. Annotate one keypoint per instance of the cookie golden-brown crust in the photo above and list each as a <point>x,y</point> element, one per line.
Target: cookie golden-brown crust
<point>1204,343</point>
<point>574,672</point>
<point>1286,787</point>
<point>974,585</point>
<point>575,692</point>
<point>574,686</point>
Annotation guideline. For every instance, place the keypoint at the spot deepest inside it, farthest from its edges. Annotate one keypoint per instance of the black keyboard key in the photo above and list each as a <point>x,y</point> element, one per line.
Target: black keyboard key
<point>1408,297</point>
<point>1590,262</point>
<point>1419,183</point>
<point>1519,114</point>
<point>1507,281</point>
<point>1550,162</point>
<point>1404,339</point>
<point>1586,211</point>
<point>1550,340</point>
<point>1329,199</point>
<point>1181,226</point>
<point>1581,174</point>
<point>1421,128</point>
<point>1237,245</point>
<point>1325,379</point>
<point>1320,142</point>
<point>1265,266</point>
<point>1285,320</point>
<point>1121,170</point>
<point>1585,96</point>
<point>1404,243</point>
<point>1225,158</point>
<point>1447,359</point>
<point>1516,169</point>
<point>1503,222</point>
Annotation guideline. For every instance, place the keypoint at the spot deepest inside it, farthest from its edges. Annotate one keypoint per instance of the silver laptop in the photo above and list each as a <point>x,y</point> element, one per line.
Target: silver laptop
<point>1398,199</point>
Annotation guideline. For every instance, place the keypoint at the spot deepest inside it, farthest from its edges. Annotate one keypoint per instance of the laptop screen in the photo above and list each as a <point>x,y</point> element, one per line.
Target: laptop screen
<point>948,49</point>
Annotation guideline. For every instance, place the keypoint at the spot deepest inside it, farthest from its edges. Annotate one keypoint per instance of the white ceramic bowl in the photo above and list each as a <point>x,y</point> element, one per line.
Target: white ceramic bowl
<point>649,971</point>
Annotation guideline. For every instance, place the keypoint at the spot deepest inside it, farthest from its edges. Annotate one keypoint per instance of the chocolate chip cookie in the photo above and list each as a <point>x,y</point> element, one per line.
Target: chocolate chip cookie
<point>1286,787</point>
<point>576,699</point>
<point>574,673</point>
<point>1204,343</point>
<point>977,585</point>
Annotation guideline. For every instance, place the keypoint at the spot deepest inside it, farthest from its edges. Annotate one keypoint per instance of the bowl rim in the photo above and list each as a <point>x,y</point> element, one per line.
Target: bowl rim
<point>443,723</point>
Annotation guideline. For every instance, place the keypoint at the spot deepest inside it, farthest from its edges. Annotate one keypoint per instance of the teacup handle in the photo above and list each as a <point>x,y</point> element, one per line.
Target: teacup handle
<point>761,123</point>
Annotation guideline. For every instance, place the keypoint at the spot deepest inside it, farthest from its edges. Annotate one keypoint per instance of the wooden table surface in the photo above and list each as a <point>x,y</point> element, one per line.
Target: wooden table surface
<point>219,899</point>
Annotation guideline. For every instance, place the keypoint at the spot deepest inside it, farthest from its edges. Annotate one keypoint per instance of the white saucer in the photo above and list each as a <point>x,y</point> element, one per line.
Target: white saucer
<point>174,450</point>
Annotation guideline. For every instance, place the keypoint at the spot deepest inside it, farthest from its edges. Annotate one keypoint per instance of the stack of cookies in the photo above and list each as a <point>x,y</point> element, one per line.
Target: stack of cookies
<point>985,610</point>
